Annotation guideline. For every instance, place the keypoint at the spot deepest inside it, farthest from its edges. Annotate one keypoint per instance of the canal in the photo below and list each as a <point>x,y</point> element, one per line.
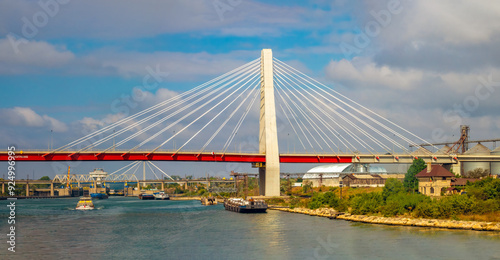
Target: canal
<point>129,228</point>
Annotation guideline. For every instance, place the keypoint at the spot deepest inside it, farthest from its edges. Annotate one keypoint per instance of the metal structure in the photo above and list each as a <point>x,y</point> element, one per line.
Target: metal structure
<point>86,178</point>
<point>328,128</point>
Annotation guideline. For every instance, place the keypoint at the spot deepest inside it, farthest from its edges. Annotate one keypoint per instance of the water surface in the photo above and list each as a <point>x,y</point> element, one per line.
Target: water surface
<point>129,228</point>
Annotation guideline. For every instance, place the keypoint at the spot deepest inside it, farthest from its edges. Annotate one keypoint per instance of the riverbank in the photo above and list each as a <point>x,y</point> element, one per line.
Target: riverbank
<point>434,223</point>
<point>185,198</point>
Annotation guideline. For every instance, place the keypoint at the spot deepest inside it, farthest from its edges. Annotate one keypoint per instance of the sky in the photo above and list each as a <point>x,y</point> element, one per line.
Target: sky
<point>430,66</point>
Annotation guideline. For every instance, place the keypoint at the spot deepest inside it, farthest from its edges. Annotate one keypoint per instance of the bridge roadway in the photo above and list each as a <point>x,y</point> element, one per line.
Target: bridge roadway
<point>40,156</point>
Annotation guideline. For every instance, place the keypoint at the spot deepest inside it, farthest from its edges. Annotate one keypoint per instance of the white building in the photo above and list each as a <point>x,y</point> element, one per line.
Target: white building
<point>330,174</point>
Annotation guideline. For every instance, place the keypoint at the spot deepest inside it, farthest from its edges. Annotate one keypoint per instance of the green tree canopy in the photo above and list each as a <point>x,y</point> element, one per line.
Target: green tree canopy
<point>45,178</point>
<point>392,187</point>
<point>411,182</point>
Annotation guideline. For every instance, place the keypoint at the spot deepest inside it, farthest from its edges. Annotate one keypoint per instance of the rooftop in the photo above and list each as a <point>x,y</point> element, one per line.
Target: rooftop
<point>436,171</point>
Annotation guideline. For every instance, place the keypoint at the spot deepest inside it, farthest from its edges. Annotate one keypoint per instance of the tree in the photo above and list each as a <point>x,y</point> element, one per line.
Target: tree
<point>45,178</point>
<point>477,173</point>
<point>306,186</point>
<point>411,182</point>
<point>392,187</point>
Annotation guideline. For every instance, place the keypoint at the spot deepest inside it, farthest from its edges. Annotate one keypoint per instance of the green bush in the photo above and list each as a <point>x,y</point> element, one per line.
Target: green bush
<point>366,203</point>
<point>392,186</point>
<point>425,210</point>
<point>487,188</point>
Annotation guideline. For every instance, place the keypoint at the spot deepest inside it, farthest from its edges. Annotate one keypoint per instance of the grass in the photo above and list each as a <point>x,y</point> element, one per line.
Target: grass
<point>486,217</point>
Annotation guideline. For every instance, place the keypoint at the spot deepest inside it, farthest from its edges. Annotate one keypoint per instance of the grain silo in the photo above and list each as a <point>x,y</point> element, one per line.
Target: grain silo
<point>479,149</point>
<point>443,150</point>
<point>495,166</point>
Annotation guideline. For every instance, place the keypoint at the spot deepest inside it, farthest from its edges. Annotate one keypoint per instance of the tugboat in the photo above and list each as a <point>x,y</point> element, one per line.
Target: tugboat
<point>85,203</point>
<point>144,196</point>
<point>100,196</point>
<point>245,206</point>
<point>161,196</point>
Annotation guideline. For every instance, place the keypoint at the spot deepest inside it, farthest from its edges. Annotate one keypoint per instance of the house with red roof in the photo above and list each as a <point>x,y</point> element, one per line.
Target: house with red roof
<point>433,179</point>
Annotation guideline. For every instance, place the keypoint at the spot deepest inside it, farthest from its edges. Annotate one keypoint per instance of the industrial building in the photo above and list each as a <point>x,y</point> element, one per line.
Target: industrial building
<point>479,150</point>
<point>352,174</point>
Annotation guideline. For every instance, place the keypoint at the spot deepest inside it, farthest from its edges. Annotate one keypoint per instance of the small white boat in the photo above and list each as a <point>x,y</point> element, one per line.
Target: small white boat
<point>161,196</point>
<point>85,203</point>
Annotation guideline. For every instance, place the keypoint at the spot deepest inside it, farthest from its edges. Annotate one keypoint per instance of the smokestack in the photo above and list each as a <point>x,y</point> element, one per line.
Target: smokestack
<point>429,167</point>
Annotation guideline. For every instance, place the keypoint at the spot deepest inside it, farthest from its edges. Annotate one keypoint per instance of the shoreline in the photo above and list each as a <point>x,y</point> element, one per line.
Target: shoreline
<point>185,198</point>
<point>394,221</point>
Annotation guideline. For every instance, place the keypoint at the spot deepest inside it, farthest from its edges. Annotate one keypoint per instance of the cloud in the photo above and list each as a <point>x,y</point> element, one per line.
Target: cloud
<point>363,73</point>
<point>31,56</point>
<point>442,36</point>
<point>36,57</point>
<point>179,66</point>
<point>412,96</point>
<point>118,19</point>
<point>26,117</point>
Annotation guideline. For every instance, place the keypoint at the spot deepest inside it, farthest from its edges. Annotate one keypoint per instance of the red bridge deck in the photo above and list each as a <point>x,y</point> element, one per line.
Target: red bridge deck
<point>169,156</point>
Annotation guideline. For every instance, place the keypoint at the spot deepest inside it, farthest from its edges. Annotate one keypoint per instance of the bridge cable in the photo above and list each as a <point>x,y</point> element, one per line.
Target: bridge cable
<point>294,116</point>
<point>199,116</point>
<point>124,120</point>
<point>228,118</point>
<point>123,167</point>
<point>315,115</point>
<point>239,124</point>
<point>153,171</point>
<point>394,124</point>
<point>350,133</point>
<point>375,140</point>
<point>170,115</point>
<point>220,112</point>
<point>305,116</point>
<point>161,170</point>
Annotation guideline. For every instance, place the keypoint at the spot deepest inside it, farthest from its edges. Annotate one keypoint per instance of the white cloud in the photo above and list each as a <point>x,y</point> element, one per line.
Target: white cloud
<point>30,56</point>
<point>26,117</point>
<point>362,72</point>
<point>119,19</point>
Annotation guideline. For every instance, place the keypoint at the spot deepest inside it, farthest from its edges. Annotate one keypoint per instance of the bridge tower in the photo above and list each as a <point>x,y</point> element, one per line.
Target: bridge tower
<point>269,176</point>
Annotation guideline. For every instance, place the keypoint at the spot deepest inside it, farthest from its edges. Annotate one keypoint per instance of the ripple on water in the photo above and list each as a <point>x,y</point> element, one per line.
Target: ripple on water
<point>130,228</point>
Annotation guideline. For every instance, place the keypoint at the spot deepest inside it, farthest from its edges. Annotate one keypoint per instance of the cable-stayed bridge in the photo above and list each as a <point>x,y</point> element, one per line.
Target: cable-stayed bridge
<point>316,123</point>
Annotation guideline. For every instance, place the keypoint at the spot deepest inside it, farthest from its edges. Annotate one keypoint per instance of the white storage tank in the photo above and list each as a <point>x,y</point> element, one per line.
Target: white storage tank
<point>479,149</point>
<point>495,166</point>
<point>443,150</point>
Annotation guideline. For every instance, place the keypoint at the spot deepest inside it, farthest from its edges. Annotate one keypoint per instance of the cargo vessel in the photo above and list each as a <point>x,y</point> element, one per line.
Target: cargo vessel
<point>245,206</point>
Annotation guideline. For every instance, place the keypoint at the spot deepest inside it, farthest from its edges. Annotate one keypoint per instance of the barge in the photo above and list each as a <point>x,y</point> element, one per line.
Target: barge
<point>145,196</point>
<point>99,195</point>
<point>245,206</point>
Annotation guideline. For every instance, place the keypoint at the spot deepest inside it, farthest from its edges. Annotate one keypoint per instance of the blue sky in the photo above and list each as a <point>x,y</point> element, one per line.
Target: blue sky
<point>420,64</point>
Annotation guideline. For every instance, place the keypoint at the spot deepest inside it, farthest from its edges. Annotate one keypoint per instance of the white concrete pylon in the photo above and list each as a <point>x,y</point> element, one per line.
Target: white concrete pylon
<point>269,184</point>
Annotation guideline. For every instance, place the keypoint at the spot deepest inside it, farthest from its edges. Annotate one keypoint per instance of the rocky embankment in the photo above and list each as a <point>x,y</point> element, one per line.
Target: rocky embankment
<point>400,221</point>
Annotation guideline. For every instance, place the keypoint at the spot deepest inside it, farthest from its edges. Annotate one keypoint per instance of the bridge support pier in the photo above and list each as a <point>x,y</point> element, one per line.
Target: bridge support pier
<point>3,188</point>
<point>51,189</point>
<point>27,189</point>
<point>269,176</point>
